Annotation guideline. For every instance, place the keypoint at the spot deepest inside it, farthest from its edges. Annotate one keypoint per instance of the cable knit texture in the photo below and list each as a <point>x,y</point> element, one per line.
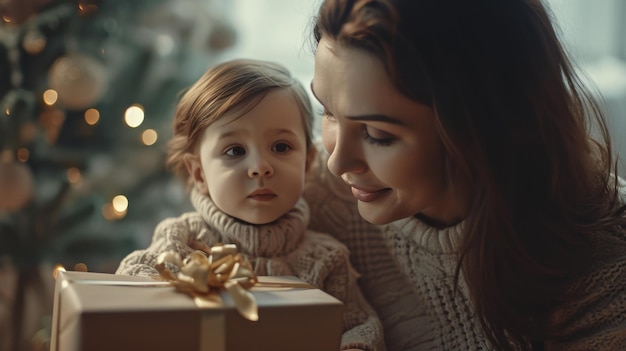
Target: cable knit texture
<point>284,247</point>
<point>407,275</point>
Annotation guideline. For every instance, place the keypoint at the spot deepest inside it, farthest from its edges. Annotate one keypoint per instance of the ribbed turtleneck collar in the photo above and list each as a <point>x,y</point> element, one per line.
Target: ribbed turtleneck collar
<point>267,240</point>
<point>435,240</point>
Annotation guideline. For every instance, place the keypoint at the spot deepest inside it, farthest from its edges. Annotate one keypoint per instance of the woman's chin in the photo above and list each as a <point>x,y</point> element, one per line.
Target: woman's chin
<point>377,215</point>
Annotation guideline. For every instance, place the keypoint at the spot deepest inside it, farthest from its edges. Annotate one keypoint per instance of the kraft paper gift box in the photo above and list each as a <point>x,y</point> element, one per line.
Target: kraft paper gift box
<point>99,311</point>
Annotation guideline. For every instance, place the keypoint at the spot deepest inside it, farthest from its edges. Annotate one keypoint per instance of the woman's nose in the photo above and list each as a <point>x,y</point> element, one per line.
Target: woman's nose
<point>345,155</point>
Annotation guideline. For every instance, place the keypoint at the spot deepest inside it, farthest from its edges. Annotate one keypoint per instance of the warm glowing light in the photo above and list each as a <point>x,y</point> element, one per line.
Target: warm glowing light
<point>134,116</point>
<point>73,175</point>
<point>6,19</point>
<point>120,203</point>
<point>58,268</point>
<point>7,111</point>
<point>80,267</point>
<point>23,154</point>
<point>92,116</point>
<point>50,97</point>
<point>86,8</point>
<point>110,213</point>
<point>149,137</point>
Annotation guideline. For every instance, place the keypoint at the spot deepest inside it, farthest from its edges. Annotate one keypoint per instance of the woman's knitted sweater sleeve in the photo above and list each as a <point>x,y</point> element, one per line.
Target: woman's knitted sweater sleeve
<point>331,271</point>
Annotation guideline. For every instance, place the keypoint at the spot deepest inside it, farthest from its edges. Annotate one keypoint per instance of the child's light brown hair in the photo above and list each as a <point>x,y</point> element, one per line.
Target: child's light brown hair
<point>229,89</point>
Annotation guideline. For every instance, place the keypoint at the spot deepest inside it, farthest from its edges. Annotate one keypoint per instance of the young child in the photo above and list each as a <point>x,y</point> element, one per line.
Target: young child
<point>242,143</point>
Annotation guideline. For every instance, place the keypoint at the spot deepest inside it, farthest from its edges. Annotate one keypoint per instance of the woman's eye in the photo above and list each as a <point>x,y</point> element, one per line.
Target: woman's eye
<point>235,151</point>
<point>377,137</point>
<point>281,147</point>
<point>325,114</point>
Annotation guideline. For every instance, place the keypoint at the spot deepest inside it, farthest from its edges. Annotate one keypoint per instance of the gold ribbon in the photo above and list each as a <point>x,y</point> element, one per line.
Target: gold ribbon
<point>207,270</point>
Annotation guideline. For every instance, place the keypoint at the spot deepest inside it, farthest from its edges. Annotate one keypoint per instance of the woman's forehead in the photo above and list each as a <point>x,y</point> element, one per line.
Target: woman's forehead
<point>345,74</point>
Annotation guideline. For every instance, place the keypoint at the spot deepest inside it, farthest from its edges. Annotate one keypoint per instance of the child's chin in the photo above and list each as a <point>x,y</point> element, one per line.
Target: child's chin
<point>258,220</point>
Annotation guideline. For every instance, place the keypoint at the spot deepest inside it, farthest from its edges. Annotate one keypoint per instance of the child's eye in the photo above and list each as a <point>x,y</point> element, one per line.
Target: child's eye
<point>281,147</point>
<point>235,151</point>
<point>377,136</point>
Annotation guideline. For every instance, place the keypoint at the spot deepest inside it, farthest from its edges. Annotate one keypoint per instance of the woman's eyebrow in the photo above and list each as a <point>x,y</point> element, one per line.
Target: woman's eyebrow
<point>367,117</point>
<point>376,118</point>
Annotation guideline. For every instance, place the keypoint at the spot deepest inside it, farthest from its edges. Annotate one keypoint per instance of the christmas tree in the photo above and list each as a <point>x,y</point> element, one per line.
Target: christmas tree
<point>87,91</point>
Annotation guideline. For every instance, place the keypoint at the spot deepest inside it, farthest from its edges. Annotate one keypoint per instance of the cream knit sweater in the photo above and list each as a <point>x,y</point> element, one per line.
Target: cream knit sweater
<point>284,247</point>
<point>407,275</point>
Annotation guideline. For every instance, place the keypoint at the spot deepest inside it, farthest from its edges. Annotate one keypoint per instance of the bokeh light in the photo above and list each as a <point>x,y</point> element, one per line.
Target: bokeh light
<point>149,137</point>
<point>50,97</point>
<point>92,116</point>
<point>120,203</point>
<point>73,175</point>
<point>134,116</point>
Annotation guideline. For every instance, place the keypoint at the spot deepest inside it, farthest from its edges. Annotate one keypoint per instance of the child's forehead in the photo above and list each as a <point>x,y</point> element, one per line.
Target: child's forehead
<point>265,104</point>
<point>261,121</point>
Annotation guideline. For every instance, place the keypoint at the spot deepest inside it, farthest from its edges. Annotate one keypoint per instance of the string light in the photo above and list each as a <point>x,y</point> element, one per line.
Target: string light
<point>134,116</point>
<point>116,209</point>
<point>86,8</point>
<point>149,137</point>
<point>120,203</point>
<point>92,116</point>
<point>50,97</point>
<point>110,214</point>
<point>73,175</point>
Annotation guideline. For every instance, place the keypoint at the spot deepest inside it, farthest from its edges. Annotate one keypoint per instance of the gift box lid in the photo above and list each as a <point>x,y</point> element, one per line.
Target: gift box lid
<point>125,312</point>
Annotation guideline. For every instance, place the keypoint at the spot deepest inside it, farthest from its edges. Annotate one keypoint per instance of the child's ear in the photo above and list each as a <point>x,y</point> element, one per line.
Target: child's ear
<point>310,157</point>
<point>194,167</point>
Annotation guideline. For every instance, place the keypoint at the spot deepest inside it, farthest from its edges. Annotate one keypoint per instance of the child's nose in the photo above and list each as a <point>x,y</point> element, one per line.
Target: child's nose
<point>260,168</point>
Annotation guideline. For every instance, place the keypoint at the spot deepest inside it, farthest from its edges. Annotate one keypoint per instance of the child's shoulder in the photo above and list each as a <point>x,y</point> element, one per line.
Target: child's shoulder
<point>186,220</point>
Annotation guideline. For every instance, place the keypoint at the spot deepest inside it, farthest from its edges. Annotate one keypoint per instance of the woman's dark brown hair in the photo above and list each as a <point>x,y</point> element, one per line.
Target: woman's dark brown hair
<point>516,123</point>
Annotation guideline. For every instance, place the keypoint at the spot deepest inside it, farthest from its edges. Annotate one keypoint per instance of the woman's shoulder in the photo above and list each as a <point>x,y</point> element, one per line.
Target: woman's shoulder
<point>596,319</point>
<point>609,248</point>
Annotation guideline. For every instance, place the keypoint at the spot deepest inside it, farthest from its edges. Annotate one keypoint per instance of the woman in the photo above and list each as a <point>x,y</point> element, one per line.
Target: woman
<point>462,127</point>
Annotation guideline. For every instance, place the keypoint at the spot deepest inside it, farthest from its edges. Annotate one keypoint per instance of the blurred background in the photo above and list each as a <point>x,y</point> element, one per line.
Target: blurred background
<point>87,92</point>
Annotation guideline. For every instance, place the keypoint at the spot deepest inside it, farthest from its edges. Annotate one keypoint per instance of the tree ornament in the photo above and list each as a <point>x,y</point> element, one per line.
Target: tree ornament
<point>16,186</point>
<point>79,80</point>
<point>34,42</point>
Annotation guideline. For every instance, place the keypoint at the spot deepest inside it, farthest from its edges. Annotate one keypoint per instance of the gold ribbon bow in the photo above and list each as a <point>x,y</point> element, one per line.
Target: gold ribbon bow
<point>210,269</point>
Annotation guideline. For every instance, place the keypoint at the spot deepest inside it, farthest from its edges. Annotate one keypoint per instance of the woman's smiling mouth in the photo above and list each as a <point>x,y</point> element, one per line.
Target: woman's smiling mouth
<point>367,195</point>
